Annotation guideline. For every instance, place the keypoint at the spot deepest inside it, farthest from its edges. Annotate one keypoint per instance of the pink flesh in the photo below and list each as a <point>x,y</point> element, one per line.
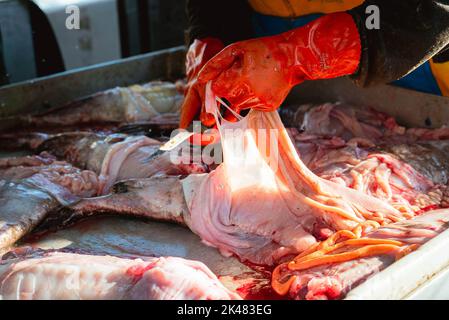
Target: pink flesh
<point>261,224</point>
<point>115,157</point>
<point>343,121</point>
<point>44,171</point>
<point>27,161</point>
<point>57,275</point>
<point>377,174</point>
<point>139,157</point>
<point>140,164</point>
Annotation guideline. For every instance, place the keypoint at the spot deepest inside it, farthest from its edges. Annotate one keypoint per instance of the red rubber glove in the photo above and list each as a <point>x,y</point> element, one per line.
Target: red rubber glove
<point>198,54</point>
<point>259,73</point>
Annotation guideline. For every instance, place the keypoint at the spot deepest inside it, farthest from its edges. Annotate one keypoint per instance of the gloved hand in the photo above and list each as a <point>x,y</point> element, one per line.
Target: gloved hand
<point>200,51</point>
<point>259,73</point>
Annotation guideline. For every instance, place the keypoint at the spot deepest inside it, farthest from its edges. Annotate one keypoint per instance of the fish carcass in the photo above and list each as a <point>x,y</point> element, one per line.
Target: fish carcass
<point>117,157</point>
<point>103,158</point>
<point>35,186</point>
<point>40,275</point>
<point>119,105</point>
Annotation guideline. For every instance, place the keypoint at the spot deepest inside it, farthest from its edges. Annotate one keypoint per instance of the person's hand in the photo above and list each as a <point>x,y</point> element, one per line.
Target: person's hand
<point>198,54</point>
<point>259,73</point>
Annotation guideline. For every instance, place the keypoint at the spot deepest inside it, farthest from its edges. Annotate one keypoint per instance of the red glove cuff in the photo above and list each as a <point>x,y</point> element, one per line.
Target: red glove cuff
<point>201,51</point>
<point>328,47</point>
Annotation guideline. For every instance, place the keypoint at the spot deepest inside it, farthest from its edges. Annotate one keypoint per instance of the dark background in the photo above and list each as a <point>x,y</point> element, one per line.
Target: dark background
<point>144,26</point>
<point>161,24</point>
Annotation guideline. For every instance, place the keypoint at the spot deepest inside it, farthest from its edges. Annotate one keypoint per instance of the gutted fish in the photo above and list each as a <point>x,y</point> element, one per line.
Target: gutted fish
<point>324,154</point>
<point>25,166</point>
<point>119,105</point>
<point>159,128</point>
<point>118,157</point>
<point>70,276</point>
<point>349,122</point>
<point>28,194</point>
<point>340,120</point>
<point>157,198</point>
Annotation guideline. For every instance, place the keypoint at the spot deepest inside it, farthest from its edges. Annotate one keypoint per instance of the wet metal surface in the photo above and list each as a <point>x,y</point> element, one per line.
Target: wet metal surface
<point>122,236</point>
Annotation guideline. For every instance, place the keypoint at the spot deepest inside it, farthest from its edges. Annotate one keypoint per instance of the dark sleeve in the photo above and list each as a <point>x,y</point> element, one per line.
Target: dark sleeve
<point>411,32</point>
<point>3,76</point>
<point>227,20</point>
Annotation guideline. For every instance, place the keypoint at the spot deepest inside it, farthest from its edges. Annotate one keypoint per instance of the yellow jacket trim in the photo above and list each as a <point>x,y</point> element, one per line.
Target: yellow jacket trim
<point>297,8</point>
<point>441,73</point>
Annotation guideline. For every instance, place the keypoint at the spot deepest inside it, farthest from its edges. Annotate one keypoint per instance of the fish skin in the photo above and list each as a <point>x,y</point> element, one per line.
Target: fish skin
<point>426,158</point>
<point>26,202</point>
<point>157,198</point>
<point>22,209</point>
<point>82,149</point>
